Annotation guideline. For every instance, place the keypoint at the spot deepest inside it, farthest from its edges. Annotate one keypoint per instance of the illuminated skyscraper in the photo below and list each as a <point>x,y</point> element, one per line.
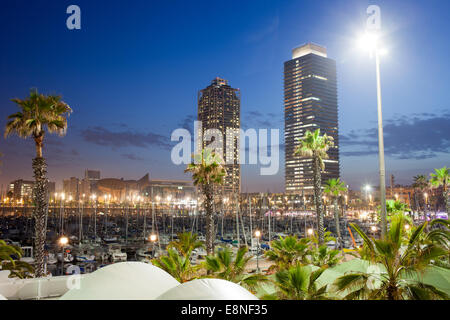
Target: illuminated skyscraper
<point>219,108</point>
<point>310,102</point>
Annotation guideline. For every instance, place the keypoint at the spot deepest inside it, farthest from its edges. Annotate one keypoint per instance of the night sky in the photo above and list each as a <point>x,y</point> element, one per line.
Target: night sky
<point>132,74</point>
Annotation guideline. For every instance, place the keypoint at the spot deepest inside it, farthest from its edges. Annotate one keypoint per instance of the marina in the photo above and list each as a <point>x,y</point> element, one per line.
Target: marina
<point>102,235</point>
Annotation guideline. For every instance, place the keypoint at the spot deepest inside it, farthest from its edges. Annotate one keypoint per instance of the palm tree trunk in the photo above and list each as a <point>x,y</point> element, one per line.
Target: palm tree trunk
<point>318,198</point>
<point>208,192</point>
<point>40,210</point>
<point>38,140</point>
<point>336,221</point>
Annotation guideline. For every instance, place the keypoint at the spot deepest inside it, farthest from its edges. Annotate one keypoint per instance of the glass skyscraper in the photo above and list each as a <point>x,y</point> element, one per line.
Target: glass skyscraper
<point>310,102</point>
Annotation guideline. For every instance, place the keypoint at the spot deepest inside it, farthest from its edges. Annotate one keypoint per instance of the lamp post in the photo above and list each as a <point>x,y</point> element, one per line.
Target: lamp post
<point>80,235</point>
<point>94,198</point>
<point>145,218</point>
<point>169,199</point>
<point>367,189</point>
<point>127,199</point>
<point>381,150</point>
<point>370,41</point>
<point>158,198</point>
<point>63,241</point>
<point>61,213</point>
<point>257,235</point>
<point>373,229</point>
<point>153,238</point>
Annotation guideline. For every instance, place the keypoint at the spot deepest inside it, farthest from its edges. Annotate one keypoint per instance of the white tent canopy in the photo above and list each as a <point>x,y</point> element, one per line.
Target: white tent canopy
<point>207,289</point>
<point>123,281</point>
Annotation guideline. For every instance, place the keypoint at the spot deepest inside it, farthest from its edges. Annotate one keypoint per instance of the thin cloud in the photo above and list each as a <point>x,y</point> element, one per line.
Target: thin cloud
<point>131,156</point>
<point>419,136</point>
<point>104,137</point>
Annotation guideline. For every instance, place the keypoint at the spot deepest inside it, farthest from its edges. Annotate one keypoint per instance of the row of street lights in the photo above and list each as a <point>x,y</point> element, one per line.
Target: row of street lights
<point>64,241</point>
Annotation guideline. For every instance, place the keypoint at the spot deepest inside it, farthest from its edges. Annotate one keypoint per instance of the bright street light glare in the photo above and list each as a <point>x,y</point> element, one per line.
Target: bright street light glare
<point>383,51</point>
<point>153,237</point>
<point>371,42</point>
<point>63,240</point>
<point>368,41</point>
<point>257,233</point>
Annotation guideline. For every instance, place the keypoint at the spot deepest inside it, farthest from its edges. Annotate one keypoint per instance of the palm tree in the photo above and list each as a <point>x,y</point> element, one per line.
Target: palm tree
<point>335,187</point>
<point>404,257</point>
<point>324,257</point>
<point>17,268</point>
<point>186,243</point>
<point>439,235</point>
<point>287,252</point>
<point>177,265</point>
<point>224,265</point>
<point>320,255</point>
<point>298,283</point>
<point>207,171</point>
<point>394,207</point>
<point>441,177</point>
<point>315,146</point>
<point>420,183</point>
<point>38,114</point>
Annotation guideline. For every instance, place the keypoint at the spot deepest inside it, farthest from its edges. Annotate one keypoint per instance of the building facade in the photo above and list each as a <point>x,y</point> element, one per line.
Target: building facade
<point>310,103</point>
<point>176,190</point>
<point>219,108</point>
<point>120,189</point>
<point>23,189</point>
<point>71,188</point>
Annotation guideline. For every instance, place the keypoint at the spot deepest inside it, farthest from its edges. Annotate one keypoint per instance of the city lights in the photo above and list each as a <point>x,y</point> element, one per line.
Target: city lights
<point>213,152</point>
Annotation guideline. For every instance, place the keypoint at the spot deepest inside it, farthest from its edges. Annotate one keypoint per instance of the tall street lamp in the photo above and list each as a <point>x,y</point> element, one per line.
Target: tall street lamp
<point>63,241</point>
<point>94,198</point>
<point>371,42</point>
<point>153,238</point>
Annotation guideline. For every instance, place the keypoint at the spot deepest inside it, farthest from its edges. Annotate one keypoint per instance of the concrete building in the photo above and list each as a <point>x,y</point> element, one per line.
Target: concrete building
<point>71,188</point>
<point>177,190</point>
<point>21,189</point>
<point>219,108</point>
<point>120,189</point>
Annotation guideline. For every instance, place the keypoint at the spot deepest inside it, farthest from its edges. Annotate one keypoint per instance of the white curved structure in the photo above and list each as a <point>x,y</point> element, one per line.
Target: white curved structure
<point>207,289</point>
<point>123,281</point>
<point>2,297</point>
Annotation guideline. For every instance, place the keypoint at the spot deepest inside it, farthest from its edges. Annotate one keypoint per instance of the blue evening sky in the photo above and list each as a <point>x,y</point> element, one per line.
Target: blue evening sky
<point>132,74</point>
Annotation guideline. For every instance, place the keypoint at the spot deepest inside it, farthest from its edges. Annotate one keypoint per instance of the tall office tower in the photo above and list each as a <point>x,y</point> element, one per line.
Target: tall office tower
<point>219,108</point>
<point>310,102</point>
